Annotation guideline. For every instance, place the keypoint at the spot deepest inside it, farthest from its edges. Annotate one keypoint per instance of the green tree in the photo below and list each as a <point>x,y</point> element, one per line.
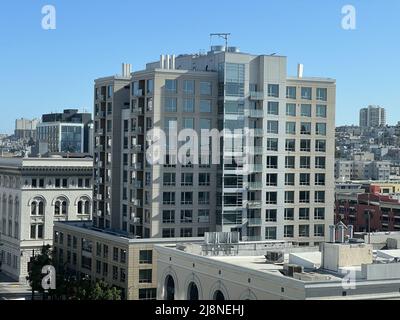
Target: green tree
<point>35,269</point>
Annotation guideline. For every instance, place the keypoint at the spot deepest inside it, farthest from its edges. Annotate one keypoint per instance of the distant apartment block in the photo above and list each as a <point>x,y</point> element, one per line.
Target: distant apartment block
<point>67,132</point>
<point>347,170</point>
<point>25,129</point>
<point>35,192</point>
<point>285,191</point>
<point>373,116</point>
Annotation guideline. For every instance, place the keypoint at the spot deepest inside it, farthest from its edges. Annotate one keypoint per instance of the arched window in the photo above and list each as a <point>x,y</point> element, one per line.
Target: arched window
<point>37,207</point>
<point>16,210</point>
<point>218,296</point>
<point>84,206</point>
<point>193,292</point>
<point>170,288</point>
<point>61,207</point>
<point>10,207</point>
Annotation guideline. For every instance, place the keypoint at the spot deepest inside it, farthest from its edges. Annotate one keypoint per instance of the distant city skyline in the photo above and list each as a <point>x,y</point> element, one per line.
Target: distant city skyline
<point>58,66</point>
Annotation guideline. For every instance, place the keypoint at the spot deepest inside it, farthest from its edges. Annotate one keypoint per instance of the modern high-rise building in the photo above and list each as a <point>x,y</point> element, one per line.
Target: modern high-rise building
<point>67,132</point>
<point>274,174</point>
<point>372,117</point>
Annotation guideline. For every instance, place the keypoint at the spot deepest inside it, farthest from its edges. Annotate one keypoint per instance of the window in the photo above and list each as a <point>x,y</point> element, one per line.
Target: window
<point>305,145</point>
<point>320,163</point>
<point>322,94</point>
<point>122,275</point>
<point>270,233</point>
<point>291,92</point>
<point>272,162</point>
<point>204,216</point>
<point>305,128</point>
<point>306,93</point>
<point>304,214</point>
<point>115,254</point>
<point>186,232</point>
<point>272,144</point>
<point>115,273</point>
<point>234,74</point>
<point>304,231</point>
<point>187,179</point>
<point>123,256</point>
<point>289,214</point>
<point>273,90</point>
<point>320,129</point>
<point>319,230</point>
<point>205,106</point>
<point>169,198</point>
<point>289,179</point>
<point>146,257</point>
<point>186,198</point>
<point>272,127</point>
<point>98,267</point>
<point>205,88</point>
<point>321,111</point>
<point>290,145</point>
<point>270,215</point>
<point>304,197</point>
<point>204,198</point>
<point>169,179</point>
<point>186,216</point>
<point>171,86</point>
<point>319,179</point>
<point>289,232</point>
<point>145,276</point>
<point>60,207</point>
<point>105,269</point>
<point>320,145</point>
<point>306,110</point>
<point>291,128</point>
<point>170,105</point>
<point>168,233</point>
<point>86,263</point>
<point>168,216</point>
<point>319,214</point>
<point>319,196</point>
<point>290,162</point>
<point>188,123</point>
<point>271,197</point>
<point>150,86</point>
<point>289,196</point>
<point>204,179</point>
<point>147,294</point>
<point>304,179</point>
<point>74,242</point>
<point>291,109</point>
<point>273,108</point>
<point>272,179</point>
<point>188,86</point>
<point>188,105</point>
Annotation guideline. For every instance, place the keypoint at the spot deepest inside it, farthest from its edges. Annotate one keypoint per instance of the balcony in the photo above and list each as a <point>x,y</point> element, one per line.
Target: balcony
<point>255,150</point>
<point>257,95</point>
<point>255,168</point>
<point>257,132</point>
<point>137,184</point>
<point>253,113</point>
<point>137,148</point>
<point>138,93</point>
<point>137,166</point>
<point>137,202</point>
<point>137,110</point>
<point>137,130</point>
<point>254,221</point>
<point>255,185</point>
<point>254,204</point>
<point>251,238</point>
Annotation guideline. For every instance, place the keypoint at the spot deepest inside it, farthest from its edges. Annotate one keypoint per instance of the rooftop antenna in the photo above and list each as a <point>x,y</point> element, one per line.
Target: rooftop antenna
<point>224,36</point>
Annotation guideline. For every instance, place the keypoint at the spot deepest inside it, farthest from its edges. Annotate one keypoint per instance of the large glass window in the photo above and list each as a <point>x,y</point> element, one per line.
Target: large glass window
<point>188,86</point>
<point>234,79</point>
<point>320,129</point>
<point>306,110</point>
<point>322,94</point>
<point>170,105</point>
<point>291,109</point>
<point>306,93</point>
<point>205,106</point>
<point>291,92</point>
<point>171,86</point>
<point>188,105</point>
<point>71,139</point>
<point>321,111</point>
<point>272,127</point>
<point>291,128</point>
<point>206,88</point>
<point>273,90</point>
<point>273,108</point>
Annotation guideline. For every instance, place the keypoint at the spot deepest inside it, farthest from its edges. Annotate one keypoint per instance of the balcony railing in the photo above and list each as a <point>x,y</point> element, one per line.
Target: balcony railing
<point>254,221</point>
<point>254,204</point>
<point>255,185</point>
<point>257,95</point>
<point>253,113</point>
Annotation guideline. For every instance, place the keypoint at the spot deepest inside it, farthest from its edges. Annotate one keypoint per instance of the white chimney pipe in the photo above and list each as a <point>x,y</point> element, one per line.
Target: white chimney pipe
<point>172,62</point>
<point>351,232</point>
<point>167,60</point>
<point>341,234</point>
<point>162,59</point>
<point>300,70</point>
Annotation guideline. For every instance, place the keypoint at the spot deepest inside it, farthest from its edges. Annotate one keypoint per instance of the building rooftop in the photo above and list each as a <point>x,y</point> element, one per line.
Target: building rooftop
<point>55,161</point>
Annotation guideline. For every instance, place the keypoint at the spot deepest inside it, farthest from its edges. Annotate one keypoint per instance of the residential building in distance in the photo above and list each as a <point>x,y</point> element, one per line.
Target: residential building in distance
<point>280,188</point>
<point>25,129</point>
<point>373,116</point>
<point>346,170</point>
<point>67,132</point>
<point>279,271</point>
<point>128,264</point>
<point>35,192</point>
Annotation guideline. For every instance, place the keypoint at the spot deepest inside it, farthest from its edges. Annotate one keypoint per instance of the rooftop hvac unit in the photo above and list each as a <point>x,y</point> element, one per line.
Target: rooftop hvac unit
<point>292,269</point>
<point>274,257</point>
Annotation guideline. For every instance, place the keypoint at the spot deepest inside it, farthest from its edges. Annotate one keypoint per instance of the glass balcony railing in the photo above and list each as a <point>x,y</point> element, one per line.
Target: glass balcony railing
<point>257,95</point>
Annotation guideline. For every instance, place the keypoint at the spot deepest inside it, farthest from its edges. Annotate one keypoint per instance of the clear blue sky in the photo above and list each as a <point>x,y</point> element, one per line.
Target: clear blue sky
<point>44,71</point>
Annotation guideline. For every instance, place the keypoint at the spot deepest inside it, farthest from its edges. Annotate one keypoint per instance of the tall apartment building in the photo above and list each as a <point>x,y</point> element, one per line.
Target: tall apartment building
<point>35,192</point>
<point>373,116</point>
<point>25,129</point>
<point>275,181</point>
<point>67,132</point>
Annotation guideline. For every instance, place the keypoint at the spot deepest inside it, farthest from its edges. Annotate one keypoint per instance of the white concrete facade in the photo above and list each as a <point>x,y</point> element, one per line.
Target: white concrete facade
<point>34,193</point>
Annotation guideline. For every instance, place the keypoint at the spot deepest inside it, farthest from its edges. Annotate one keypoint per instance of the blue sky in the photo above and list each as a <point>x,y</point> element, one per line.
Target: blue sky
<point>44,71</point>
